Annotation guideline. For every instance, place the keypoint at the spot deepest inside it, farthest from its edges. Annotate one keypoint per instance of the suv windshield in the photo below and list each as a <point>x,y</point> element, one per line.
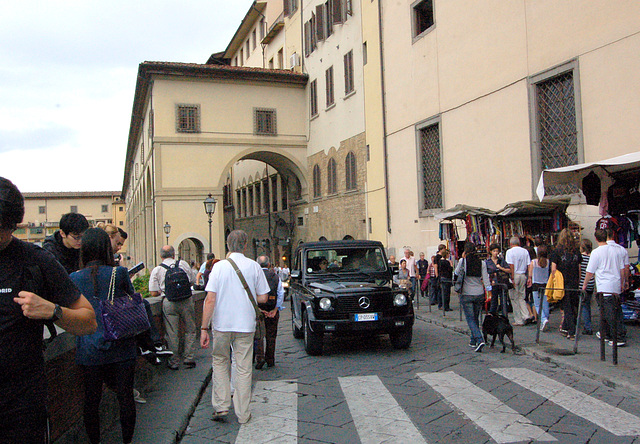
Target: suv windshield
<point>345,260</point>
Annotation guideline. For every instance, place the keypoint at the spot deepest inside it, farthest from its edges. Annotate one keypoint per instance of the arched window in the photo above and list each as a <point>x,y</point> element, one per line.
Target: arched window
<point>350,170</point>
<point>331,177</point>
<point>317,182</point>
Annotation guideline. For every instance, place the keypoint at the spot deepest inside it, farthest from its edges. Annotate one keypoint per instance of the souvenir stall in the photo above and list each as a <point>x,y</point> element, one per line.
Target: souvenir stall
<point>528,219</point>
<point>478,223</point>
<point>614,186</point>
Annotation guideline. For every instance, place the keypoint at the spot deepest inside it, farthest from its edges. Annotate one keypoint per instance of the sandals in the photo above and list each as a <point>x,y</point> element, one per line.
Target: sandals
<point>218,416</point>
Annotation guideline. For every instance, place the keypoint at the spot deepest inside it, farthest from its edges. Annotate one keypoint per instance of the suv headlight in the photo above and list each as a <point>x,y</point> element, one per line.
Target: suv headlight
<point>325,304</point>
<point>399,300</point>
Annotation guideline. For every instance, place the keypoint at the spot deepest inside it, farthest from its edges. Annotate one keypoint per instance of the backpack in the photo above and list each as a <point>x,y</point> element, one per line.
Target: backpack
<point>176,283</point>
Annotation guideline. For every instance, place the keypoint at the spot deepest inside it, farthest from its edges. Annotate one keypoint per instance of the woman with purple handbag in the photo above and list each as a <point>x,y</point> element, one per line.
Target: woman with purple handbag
<point>103,361</point>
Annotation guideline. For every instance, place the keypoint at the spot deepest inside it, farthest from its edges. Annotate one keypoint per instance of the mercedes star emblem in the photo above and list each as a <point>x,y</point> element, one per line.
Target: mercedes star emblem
<point>364,302</point>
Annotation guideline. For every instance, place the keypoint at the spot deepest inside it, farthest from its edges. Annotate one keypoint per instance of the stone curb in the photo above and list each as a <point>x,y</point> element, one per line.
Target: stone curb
<point>186,418</point>
<point>612,382</point>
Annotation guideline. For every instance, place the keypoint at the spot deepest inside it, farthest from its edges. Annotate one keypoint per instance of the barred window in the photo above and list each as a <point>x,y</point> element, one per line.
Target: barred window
<point>350,170</point>
<point>429,146</point>
<point>42,209</point>
<point>188,118</point>
<point>331,177</point>
<point>317,182</point>
<point>105,208</point>
<point>557,129</point>
<point>313,98</point>
<point>264,122</point>
<point>73,209</point>
<point>348,72</point>
<point>329,86</point>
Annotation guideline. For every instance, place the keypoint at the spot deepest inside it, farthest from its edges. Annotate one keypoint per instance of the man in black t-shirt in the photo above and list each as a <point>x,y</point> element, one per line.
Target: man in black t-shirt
<point>65,243</point>
<point>34,287</point>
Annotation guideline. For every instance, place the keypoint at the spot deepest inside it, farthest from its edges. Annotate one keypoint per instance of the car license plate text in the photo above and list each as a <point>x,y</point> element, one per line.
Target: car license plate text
<point>366,317</point>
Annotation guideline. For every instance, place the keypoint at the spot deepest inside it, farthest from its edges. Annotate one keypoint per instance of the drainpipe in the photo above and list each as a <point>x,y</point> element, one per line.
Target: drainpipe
<point>384,118</point>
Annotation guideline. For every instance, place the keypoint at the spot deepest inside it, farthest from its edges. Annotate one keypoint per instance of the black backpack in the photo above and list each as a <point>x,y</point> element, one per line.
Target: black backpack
<point>176,283</point>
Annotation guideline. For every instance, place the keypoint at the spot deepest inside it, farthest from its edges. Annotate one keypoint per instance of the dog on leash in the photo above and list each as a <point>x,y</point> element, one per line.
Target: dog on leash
<point>498,325</point>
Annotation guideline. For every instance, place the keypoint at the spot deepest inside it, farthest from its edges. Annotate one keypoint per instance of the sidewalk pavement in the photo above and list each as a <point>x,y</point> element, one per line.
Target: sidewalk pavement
<point>174,395</point>
<point>556,348</point>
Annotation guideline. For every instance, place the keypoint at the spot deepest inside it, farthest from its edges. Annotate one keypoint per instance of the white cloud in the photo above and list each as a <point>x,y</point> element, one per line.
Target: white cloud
<point>67,79</point>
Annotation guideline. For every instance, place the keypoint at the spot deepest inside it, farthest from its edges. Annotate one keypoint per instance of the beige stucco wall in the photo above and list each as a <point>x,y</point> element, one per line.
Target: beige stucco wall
<point>183,168</point>
<point>91,208</point>
<point>472,70</point>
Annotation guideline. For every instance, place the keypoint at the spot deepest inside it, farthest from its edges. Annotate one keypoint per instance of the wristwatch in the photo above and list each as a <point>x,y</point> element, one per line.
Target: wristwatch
<point>57,313</point>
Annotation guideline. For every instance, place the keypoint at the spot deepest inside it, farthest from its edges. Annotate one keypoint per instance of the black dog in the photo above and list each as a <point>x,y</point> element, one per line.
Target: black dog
<point>498,325</point>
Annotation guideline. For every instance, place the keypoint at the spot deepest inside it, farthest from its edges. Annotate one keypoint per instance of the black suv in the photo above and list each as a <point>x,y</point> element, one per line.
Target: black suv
<point>346,287</point>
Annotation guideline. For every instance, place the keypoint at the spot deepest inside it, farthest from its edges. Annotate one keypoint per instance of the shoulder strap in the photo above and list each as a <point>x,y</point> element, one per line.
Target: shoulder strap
<point>246,287</point>
<point>165,266</point>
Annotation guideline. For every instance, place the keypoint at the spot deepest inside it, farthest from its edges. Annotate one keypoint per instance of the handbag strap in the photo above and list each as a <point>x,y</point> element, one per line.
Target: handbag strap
<point>246,287</point>
<point>112,285</point>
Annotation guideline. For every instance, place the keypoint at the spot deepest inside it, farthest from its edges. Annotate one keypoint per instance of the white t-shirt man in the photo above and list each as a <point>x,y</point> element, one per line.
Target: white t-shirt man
<point>234,311</point>
<point>411,265</point>
<point>606,263</point>
<point>519,258</point>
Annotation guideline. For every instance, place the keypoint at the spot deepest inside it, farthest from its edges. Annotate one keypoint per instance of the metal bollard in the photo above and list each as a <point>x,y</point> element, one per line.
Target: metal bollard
<point>600,297</point>
<point>581,297</point>
<point>616,301</point>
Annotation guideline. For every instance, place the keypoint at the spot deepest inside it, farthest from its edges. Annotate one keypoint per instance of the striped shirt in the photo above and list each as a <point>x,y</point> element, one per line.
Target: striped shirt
<point>583,273</point>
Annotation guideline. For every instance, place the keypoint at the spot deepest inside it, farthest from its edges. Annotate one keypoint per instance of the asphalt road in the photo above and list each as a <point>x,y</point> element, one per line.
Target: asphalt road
<point>437,391</point>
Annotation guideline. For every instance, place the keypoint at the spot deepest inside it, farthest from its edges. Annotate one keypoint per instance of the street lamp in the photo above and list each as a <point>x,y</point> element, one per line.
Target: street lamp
<point>167,230</point>
<point>210,208</point>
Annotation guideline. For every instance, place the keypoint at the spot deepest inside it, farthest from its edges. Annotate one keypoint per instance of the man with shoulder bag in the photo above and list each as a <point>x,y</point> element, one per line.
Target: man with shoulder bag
<point>234,289</point>
<point>172,279</point>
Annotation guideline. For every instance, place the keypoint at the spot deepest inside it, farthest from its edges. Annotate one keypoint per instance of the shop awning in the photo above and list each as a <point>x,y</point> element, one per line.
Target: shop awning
<point>461,211</point>
<point>575,173</point>
<point>533,207</point>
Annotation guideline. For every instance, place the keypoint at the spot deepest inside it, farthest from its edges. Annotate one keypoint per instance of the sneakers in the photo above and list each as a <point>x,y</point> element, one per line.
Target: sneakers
<point>161,350</point>
<point>137,398</point>
<point>621,343</point>
<point>173,365</point>
<point>260,363</point>
<point>189,364</point>
<point>544,325</point>
<point>479,347</point>
<point>145,352</point>
<point>472,344</point>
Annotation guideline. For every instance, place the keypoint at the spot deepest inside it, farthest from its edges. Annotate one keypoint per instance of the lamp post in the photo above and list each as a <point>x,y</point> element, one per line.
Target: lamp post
<point>167,230</point>
<point>210,208</point>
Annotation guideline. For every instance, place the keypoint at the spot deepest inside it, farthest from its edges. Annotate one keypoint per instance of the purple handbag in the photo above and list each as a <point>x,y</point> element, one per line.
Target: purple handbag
<point>123,317</point>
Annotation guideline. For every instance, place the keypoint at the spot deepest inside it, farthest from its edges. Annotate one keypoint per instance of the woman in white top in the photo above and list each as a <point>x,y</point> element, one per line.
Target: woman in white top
<point>538,277</point>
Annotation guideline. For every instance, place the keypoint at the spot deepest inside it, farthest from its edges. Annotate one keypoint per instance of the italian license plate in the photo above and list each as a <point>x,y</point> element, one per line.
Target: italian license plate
<point>366,317</point>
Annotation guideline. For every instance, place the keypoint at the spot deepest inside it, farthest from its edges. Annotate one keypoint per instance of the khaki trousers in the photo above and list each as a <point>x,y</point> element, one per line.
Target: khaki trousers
<point>518,294</point>
<point>173,312</point>
<point>242,344</point>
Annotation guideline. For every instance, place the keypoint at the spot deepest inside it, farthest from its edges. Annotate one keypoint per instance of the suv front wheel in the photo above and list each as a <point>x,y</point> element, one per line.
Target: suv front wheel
<point>312,341</point>
<point>401,339</point>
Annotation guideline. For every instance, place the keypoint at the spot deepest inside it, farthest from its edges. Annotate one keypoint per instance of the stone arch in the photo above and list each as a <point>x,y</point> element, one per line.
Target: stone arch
<point>292,169</point>
<point>196,239</point>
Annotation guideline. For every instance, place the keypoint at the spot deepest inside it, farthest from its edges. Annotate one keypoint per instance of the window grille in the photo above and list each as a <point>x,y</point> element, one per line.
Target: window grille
<point>105,208</point>
<point>264,122</point>
<point>557,128</point>
<point>331,177</point>
<point>431,167</point>
<point>317,182</point>
<point>41,210</point>
<point>73,209</point>
<point>188,118</point>
<point>350,169</point>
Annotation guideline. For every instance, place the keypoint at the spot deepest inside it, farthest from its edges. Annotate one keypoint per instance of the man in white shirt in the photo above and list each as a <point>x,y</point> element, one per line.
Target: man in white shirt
<point>174,311</point>
<point>411,266</point>
<point>607,264</point>
<point>518,259</point>
<point>234,325</point>
<point>624,257</point>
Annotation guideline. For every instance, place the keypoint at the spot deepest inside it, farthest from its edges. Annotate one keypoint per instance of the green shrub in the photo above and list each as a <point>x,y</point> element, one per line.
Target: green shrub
<point>141,284</point>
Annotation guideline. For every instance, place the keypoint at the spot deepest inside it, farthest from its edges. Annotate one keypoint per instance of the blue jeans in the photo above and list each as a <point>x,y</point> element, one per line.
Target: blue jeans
<point>472,305</point>
<point>544,315</point>
<point>434,291</point>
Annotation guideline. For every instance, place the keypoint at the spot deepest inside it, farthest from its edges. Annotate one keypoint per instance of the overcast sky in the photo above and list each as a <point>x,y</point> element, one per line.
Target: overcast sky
<point>68,74</point>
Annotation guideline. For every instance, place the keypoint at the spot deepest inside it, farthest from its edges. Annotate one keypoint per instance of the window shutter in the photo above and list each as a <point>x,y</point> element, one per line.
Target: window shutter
<point>337,11</point>
<point>320,27</point>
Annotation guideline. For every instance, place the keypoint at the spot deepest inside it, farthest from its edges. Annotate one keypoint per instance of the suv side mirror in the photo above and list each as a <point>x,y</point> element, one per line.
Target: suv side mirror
<point>295,273</point>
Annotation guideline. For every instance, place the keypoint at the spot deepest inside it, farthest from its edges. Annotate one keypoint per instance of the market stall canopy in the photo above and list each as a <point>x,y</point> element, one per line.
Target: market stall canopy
<point>533,207</point>
<point>574,174</point>
<point>461,211</point>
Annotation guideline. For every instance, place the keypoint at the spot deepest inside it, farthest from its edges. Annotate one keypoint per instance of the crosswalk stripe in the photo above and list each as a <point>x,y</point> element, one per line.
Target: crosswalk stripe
<point>501,422</point>
<point>376,414</point>
<point>274,412</point>
<point>613,419</point>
